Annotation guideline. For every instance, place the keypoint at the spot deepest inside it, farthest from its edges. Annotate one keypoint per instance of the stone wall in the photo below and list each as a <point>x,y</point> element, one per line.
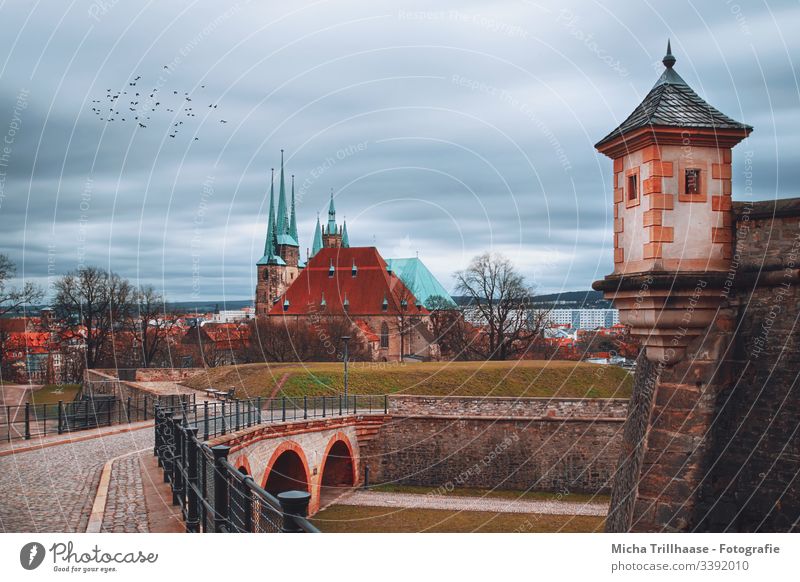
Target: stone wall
<point>165,374</point>
<point>752,483</point>
<point>534,444</point>
<point>588,408</point>
<point>722,446</point>
<point>105,381</point>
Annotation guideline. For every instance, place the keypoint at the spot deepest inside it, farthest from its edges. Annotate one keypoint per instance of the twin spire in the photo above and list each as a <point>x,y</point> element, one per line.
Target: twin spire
<point>281,226</point>
<point>282,223</point>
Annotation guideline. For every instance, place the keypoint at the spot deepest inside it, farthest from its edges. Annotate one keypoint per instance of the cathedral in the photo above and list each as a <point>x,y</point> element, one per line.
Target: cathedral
<point>388,301</point>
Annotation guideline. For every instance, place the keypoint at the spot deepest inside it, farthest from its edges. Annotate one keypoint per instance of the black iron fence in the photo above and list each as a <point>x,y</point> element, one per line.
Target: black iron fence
<point>212,494</point>
<point>34,420</point>
<point>219,417</point>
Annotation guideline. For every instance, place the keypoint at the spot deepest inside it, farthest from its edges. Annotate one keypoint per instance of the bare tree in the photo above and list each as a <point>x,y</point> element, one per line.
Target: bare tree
<point>152,323</point>
<point>12,298</point>
<point>500,303</point>
<point>97,301</point>
<point>450,330</point>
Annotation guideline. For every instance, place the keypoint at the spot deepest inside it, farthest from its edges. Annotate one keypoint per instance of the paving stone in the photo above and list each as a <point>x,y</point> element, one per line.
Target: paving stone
<point>53,489</point>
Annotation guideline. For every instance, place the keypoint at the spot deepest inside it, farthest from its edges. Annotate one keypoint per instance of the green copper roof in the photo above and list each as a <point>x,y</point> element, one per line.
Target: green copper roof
<point>270,258</point>
<point>420,281</point>
<point>345,238</point>
<point>281,224</point>
<point>293,218</point>
<point>317,246</point>
<point>331,216</point>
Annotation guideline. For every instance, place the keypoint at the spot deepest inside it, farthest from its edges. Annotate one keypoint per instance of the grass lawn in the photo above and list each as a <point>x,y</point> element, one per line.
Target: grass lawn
<point>355,519</point>
<point>526,378</point>
<point>52,393</point>
<point>498,493</point>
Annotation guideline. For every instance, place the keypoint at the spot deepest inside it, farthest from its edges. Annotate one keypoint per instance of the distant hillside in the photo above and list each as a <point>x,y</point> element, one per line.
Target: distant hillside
<point>211,305</point>
<point>565,300</point>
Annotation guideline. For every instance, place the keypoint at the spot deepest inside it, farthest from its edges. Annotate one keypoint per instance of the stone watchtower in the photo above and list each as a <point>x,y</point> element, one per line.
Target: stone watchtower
<point>675,226</point>
<point>673,229</point>
<point>280,264</point>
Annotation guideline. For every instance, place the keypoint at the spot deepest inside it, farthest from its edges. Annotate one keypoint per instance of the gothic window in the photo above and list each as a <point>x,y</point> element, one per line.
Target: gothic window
<point>384,335</point>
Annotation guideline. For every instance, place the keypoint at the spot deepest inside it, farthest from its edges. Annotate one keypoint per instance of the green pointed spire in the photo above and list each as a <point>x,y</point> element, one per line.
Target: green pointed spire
<point>331,216</point>
<point>281,218</point>
<point>293,218</point>
<point>317,246</point>
<point>270,243</point>
<point>345,238</point>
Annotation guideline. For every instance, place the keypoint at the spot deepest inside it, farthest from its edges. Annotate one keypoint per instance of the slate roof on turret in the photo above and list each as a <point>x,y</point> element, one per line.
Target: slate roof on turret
<point>672,103</point>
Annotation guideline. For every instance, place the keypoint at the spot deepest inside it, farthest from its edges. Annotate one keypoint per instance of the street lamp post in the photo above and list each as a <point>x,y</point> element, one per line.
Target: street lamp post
<point>346,340</point>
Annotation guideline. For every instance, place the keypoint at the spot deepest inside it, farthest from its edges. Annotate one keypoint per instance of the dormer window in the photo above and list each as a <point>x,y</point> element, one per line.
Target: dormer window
<point>286,305</point>
<point>385,304</point>
<point>323,304</point>
<point>346,303</point>
<point>331,270</point>
<point>354,271</point>
<point>404,305</point>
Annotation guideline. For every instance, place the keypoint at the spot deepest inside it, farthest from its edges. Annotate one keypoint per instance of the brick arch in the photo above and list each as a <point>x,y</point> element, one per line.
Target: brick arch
<point>293,449</point>
<point>339,437</point>
<point>242,462</point>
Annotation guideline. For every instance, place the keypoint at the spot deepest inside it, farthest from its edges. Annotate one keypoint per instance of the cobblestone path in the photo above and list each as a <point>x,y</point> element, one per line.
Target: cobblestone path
<point>456,503</point>
<point>126,511</point>
<point>52,489</point>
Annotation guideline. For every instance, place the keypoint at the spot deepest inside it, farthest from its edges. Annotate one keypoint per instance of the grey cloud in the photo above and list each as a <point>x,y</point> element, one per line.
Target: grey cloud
<point>478,123</point>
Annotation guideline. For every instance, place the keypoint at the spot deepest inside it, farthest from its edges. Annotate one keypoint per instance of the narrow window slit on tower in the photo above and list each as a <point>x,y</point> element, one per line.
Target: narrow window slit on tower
<point>692,185</point>
<point>633,191</point>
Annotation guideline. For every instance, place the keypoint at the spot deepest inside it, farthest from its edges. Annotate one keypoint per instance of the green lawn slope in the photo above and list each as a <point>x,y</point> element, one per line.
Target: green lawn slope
<point>528,378</point>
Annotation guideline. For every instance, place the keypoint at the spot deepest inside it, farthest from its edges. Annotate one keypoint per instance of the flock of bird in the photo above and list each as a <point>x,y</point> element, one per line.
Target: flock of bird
<point>137,105</point>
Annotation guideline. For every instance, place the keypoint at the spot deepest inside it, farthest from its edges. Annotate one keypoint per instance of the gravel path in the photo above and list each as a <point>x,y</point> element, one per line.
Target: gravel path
<point>456,503</point>
<point>52,489</point>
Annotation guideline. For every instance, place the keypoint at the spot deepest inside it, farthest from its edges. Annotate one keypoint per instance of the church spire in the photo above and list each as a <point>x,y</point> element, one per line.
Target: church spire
<point>270,244</point>
<point>345,238</point>
<point>317,246</point>
<point>293,218</point>
<point>281,218</point>
<point>331,216</point>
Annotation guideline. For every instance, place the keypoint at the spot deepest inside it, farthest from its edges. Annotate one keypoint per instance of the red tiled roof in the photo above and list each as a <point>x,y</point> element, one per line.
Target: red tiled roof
<point>13,324</point>
<point>364,292</point>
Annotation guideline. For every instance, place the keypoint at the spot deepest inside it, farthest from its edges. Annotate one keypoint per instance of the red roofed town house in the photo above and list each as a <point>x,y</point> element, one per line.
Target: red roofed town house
<point>29,351</point>
<point>358,284</point>
<point>215,344</point>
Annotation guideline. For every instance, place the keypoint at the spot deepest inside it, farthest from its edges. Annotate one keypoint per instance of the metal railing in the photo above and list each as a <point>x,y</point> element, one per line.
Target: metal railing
<point>212,494</point>
<point>215,418</point>
<point>28,420</point>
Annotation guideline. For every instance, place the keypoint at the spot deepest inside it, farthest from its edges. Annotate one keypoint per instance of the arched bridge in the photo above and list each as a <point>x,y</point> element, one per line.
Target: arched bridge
<point>320,456</point>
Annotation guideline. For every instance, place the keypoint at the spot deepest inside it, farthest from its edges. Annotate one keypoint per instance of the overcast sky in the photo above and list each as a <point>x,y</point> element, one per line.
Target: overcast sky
<point>445,129</point>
